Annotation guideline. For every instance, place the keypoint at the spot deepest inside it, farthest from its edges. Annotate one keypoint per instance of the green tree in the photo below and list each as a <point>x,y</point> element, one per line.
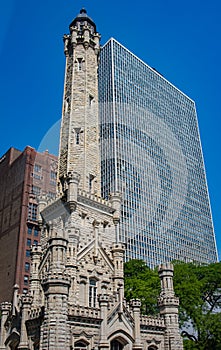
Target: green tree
<point>199,290</point>
<point>142,283</point>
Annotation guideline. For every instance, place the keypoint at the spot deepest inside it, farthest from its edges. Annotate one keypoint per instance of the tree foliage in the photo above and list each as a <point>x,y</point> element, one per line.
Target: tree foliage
<point>142,283</point>
<point>199,290</point>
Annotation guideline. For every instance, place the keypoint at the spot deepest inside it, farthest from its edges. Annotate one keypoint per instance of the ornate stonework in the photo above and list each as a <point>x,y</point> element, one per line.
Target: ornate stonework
<point>76,298</point>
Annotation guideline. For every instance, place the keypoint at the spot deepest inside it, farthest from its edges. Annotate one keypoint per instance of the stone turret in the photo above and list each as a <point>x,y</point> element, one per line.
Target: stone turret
<point>36,253</point>
<point>118,251</point>
<point>168,304</point>
<point>26,301</point>
<point>136,305</point>
<point>79,148</point>
<point>56,283</point>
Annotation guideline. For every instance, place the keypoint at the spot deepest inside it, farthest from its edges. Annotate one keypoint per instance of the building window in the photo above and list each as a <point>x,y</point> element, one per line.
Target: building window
<point>29,230</point>
<point>35,242</point>
<point>27,266</point>
<point>53,175</point>
<point>92,292</point>
<point>77,137</point>
<point>28,242</point>
<point>25,280</point>
<point>91,182</point>
<point>28,253</point>
<point>116,345</point>
<point>79,63</point>
<point>82,293</point>
<point>80,345</point>
<point>36,190</point>
<point>37,168</point>
<point>91,99</point>
<point>25,290</point>
<point>36,176</point>
<point>32,212</point>
<point>51,195</point>
<point>36,232</point>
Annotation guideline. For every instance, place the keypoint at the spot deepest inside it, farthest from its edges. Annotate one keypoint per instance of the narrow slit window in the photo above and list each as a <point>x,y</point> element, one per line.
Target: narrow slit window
<point>80,61</point>
<point>91,182</point>
<point>77,137</point>
<point>91,99</point>
<point>92,293</point>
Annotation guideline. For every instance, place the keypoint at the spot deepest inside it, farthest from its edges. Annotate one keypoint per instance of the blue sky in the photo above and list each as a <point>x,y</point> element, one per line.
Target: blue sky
<point>180,39</point>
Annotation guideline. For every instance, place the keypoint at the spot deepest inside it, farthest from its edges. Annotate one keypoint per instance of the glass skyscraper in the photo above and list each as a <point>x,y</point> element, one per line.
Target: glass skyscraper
<point>151,153</point>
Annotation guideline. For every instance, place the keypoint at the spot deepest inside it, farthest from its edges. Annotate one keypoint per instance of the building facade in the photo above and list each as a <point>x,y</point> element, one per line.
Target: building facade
<point>151,153</point>
<point>23,176</point>
<point>76,298</point>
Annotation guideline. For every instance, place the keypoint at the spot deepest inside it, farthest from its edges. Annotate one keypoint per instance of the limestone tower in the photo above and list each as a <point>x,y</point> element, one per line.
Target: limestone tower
<point>76,299</point>
<point>79,148</point>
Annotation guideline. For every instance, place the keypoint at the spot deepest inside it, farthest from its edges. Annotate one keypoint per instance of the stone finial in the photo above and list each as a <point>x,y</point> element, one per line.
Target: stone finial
<point>5,307</point>
<point>103,299</point>
<point>115,199</point>
<point>72,180</point>
<point>15,298</point>
<point>36,249</point>
<point>42,203</point>
<point>165,272</point>
<point>66,39</point>
<point>26,300</point>
<point>166,268</point>
<point>118,248</point>
<point>135,304</point>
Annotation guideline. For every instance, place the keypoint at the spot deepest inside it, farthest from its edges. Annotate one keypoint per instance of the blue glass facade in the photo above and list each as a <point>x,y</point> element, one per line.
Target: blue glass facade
<point>151,153</point>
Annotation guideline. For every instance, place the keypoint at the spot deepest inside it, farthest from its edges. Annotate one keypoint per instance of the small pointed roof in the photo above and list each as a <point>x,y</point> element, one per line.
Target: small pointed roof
<point>81,17</point>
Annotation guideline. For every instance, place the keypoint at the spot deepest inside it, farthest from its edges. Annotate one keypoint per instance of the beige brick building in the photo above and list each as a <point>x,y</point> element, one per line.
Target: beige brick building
<point>76,298</point>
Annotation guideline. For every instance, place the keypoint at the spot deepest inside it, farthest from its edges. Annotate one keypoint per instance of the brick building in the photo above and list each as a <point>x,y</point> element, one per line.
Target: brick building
<point>23,176</point>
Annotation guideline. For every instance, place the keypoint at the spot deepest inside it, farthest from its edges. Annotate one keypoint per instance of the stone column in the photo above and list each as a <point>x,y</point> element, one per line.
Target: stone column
<point>136,304</point>
<point>26,301</point>
<point>5,310</point>
<point>103,302</point>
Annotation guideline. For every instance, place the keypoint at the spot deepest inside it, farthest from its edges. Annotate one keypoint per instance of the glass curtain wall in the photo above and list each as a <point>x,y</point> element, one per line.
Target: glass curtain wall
<point>151,153</point>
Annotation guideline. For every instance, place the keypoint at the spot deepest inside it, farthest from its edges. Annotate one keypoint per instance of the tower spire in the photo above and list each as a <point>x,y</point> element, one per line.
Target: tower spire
<point>79,146</point>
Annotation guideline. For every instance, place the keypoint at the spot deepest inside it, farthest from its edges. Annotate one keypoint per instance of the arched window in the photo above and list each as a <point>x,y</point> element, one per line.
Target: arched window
<point>80,345</point>
<point>152,347</point>
<point>82,293</point>
<point>116,345</point>
<point>92,292</point>
<point>91,182</point>
<point>77,135</point>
